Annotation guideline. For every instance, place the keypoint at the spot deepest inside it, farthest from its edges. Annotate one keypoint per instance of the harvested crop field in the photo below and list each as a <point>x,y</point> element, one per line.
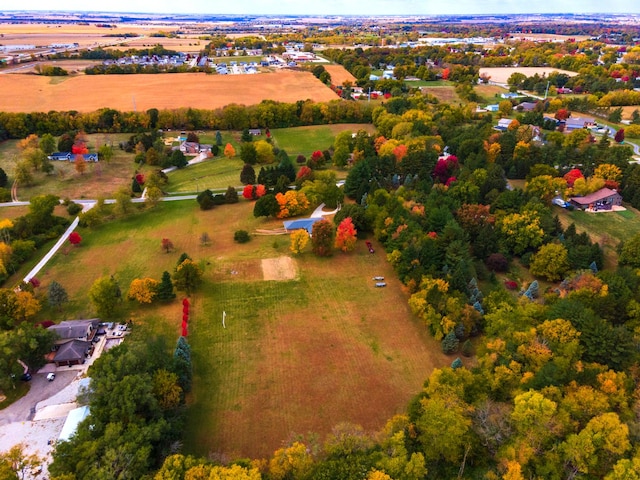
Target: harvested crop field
<point>126,92</point>
<point>502,74</point>
<point>339,74</point>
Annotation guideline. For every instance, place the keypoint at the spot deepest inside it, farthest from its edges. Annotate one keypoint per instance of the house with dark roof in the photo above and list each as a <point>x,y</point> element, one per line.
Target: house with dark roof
<point>73,352</point>
<point>603,199</point>
<point>69,330</point>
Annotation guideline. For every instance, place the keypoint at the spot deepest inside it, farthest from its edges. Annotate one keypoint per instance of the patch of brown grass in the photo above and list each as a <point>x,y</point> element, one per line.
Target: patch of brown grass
<point>175,90</point>
<point>502,74</point>
<point>444,94</point>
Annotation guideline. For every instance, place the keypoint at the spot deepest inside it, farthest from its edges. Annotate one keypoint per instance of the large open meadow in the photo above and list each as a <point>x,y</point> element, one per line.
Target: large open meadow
<point>308,343</point>
<point>86,93</point>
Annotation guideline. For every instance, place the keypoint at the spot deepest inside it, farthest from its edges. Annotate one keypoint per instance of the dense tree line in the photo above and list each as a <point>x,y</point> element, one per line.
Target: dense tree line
<point>267,114</point>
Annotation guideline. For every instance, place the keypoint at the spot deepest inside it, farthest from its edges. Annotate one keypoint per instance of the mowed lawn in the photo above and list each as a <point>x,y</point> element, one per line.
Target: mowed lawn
<point>216,174</point>
<point>306,140</point>
<point>296,356</point>
<point>606,228</point>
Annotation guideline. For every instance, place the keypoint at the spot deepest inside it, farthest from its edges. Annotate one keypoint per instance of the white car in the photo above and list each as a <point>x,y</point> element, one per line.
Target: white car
<point>51,376</point>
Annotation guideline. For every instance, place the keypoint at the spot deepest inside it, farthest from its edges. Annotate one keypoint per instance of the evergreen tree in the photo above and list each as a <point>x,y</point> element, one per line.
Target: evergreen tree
<point>57,295</point>
<point>450,342</point>
<point>231,195</point>
<point>165,289</point>
<point>247,175</point>
<point>218,139</point>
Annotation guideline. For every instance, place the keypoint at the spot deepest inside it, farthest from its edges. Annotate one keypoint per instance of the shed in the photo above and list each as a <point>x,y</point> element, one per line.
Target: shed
<point>603,199</point>
<point>301,223</point>
<point>255,131</point>
<point>74,418</point>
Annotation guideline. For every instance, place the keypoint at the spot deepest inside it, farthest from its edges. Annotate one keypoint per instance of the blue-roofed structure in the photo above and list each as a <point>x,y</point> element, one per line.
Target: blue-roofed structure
<point>74,418</point>
<point>306,223</point>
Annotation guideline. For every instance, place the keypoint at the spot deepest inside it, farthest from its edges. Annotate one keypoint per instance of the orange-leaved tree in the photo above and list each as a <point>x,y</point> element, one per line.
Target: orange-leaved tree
<point>229,151</point>
<point>346,235</point>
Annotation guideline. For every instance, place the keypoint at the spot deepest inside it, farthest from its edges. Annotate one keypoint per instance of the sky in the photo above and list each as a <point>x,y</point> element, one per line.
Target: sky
<point>337,7</point>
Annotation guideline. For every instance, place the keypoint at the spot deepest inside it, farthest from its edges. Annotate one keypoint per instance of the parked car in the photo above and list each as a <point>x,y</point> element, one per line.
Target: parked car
<point>25,377</point>
<point>378,278</point>
<point>381,284</point>
<point>51,376</point>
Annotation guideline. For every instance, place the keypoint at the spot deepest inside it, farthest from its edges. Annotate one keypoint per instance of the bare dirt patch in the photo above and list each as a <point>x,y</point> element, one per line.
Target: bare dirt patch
<point>87,93</point>
<point>281,268</point>
<point>502,74</point>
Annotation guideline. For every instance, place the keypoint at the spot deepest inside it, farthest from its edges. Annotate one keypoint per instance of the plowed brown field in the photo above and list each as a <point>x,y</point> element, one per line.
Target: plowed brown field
<point>25,93</point>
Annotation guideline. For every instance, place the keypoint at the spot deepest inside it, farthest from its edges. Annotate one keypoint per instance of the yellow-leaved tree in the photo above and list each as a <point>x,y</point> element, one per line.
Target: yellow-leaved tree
<point>143,290</point>
<point>299,240</point>
<point>291,462</point>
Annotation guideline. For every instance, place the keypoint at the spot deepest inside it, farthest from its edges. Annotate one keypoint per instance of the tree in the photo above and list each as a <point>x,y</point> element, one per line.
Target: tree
<point>292,203</point>
<point>291,462</point>
<point>75,239</point>
<point>299,240</point>
<point>80,164</point>
<point>346,235</point>
<point>630,252</point>
<point>266,206</point>
<point>19,463</point>
<point>205,239</point>
<point>187,276</point>
<point>165,291</point>
<point>218,138</point>
<point>26,305</point>
<point>231,195</point>
<point>22,173</point>
<point>143,290</point>
<point>105,295</point>
<point>47,144</point>
<point>598,446</point>
<point>167,245</point>
<point>322,237</point>
<point>229,151</point>
<point>248,155</point>
<point>247,175</point>
<point>264,152</point>
<point>205,200</point>
<point>56,295</point>
<point>551,262</point>
<point>178,159</point>
<point>521,231</point>
<point>619,136</point>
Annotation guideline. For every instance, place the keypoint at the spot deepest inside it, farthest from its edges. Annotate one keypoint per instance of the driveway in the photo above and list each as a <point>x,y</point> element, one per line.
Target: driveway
<point>41,389</point>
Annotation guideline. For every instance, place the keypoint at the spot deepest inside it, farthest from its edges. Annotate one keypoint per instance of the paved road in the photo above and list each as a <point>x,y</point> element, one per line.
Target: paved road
<point>41,389</point>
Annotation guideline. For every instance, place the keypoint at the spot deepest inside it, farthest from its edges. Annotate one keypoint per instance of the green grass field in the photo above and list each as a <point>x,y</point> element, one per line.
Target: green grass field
<point>608,229</point>
<point>305,140</point>
<point>297,355</point>
<point>216,174</point>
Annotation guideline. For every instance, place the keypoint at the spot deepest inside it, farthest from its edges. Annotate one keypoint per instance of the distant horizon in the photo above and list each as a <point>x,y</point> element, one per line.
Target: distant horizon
<point>362,8</point>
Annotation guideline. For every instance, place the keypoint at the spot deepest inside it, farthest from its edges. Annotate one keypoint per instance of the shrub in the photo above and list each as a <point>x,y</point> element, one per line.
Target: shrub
<point>510,285</point>
<point>74,208</point>
<point>241,236</point>
<point>457,363</point>
<point>205,200</point>
<point>301,159</point>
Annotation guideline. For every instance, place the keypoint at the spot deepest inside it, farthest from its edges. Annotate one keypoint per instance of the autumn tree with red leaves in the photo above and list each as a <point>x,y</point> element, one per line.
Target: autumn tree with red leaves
<point>619,136</point>
<point>572,175</point>
<point>167,245</point>
<point>75,238</point>
<point>346,235</point>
